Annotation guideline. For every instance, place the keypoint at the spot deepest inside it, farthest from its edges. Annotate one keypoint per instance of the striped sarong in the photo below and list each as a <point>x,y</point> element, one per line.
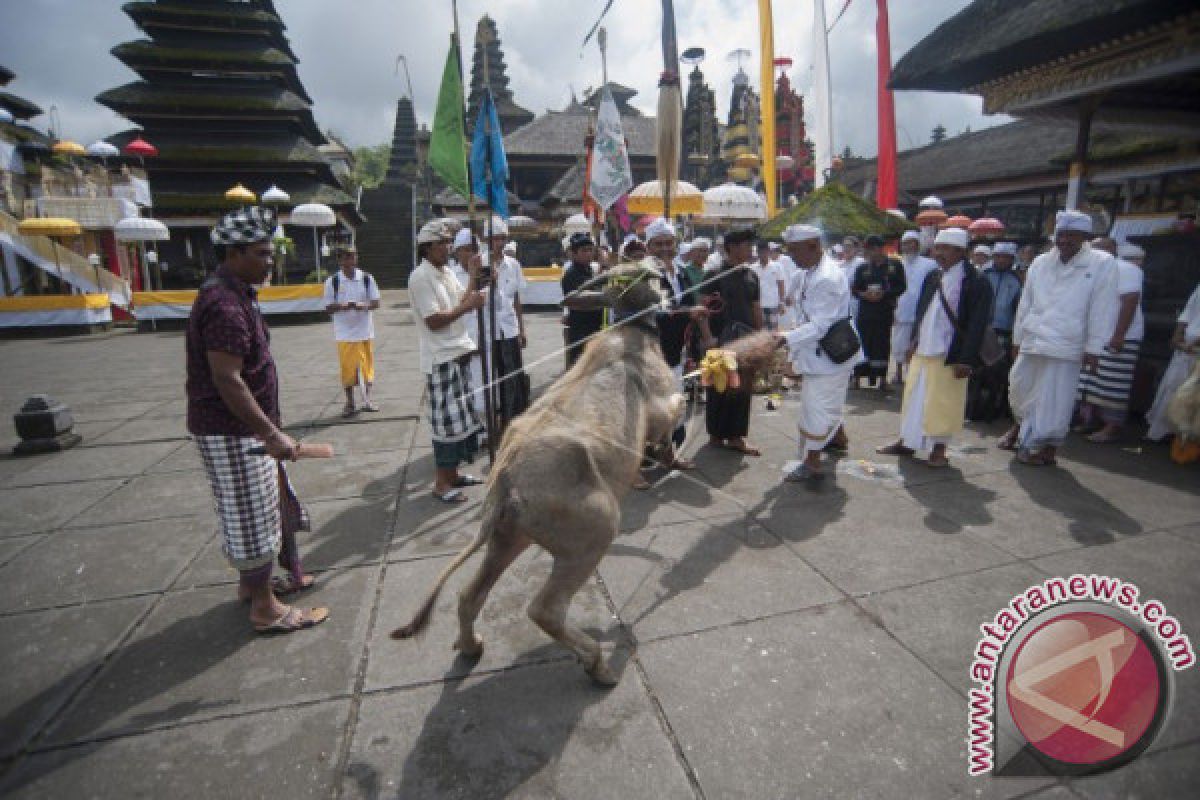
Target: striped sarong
<point>452,417</point>
<point>1109,386</point>
<point>257,520</point>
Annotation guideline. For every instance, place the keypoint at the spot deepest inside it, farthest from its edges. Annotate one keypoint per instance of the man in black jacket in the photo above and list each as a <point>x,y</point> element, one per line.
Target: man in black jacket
<point>954,312</point>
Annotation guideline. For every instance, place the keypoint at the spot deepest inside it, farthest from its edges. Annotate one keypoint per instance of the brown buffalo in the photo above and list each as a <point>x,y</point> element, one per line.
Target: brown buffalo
<point>563,468</point>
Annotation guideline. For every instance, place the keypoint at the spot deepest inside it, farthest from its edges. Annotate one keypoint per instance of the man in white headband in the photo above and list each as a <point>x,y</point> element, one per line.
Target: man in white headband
<point>1066,316</point>
<point>954,313</point>
<point>507,363</point>
<point>916,267</point>
<point>821,299</point>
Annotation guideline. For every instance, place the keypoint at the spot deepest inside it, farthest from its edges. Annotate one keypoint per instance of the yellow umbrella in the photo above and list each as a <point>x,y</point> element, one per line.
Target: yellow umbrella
<point>747,161</point>
<point>66,147</point>
<point>60,227</point>
<point>240,194</point>
<point>648,198</point>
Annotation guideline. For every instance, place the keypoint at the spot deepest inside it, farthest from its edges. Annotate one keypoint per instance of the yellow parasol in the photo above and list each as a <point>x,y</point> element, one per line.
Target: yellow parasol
<point>647,198</point>
<point>66,147</point>
<point>57,227</point>
<point>240,194</point>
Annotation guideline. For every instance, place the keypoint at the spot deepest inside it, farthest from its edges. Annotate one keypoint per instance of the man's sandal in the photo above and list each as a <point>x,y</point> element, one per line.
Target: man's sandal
<point>463,481</point>
<point>282,586</point>
<point>895,450</point>
<point>451,496</point>
<point>294,619</point>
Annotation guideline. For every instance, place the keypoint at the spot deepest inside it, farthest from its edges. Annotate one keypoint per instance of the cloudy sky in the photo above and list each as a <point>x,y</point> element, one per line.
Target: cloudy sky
<point>348,52</point>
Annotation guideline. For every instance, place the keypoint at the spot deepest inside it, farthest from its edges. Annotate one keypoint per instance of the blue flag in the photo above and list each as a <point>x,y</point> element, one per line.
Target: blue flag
<point>489,165</point>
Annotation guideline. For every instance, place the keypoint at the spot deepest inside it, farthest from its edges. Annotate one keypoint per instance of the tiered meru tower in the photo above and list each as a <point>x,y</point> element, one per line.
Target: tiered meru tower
<point>512,116</point>
<point>385,241</point>
<point>220,97</point>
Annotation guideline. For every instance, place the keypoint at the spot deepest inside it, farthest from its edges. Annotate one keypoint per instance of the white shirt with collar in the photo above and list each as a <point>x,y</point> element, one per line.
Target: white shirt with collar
<point>1067,310</point>
<point>937,331</point>
<point>915,270</point>
<point>432,290</point>
<point>352,325</point>
<point>510,280</point>
<point>822,297</point>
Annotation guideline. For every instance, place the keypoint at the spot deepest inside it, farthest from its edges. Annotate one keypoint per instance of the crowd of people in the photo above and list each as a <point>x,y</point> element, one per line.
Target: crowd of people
<point>970,331</point>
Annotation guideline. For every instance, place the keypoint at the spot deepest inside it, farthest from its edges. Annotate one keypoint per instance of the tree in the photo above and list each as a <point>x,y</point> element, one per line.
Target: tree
<point>370,165</point>
<point>939,133</point>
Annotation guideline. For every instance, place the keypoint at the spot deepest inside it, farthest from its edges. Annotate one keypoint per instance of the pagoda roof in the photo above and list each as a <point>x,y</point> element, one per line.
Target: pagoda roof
<point>172,57</point>
<point>209,99</point>
<point>218,16</point>
<point>182,193</point>
<point>991,39</point>
<point>19,107</point>
<point>185,150</point>
<point>6,75</point>
<point>561,133</point>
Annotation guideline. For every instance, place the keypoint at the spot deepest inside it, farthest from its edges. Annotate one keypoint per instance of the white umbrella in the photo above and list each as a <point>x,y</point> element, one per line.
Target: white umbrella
<point>732,202</point>
<point>139,230</point>
<point>276,196</point>
<point>577,223</point>
<point>520,221</point>
<point>6,115</point>
<point>313,215</point>
<point>932,201</point>
<point>103,149</point>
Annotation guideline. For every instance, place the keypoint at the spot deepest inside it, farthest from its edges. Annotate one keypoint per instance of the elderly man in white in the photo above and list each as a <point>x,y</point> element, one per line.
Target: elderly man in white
<point>916,267</point>
<point>1066,316</point>
<point>820,297</point>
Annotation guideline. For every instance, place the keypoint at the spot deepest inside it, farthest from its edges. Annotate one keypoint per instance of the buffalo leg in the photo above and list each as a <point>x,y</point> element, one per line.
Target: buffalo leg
<point>549,611</point>
<point>503,548</point>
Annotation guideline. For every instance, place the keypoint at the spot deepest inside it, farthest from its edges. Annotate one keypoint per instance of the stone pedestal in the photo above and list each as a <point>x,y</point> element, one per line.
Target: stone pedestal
<point>44,426</point>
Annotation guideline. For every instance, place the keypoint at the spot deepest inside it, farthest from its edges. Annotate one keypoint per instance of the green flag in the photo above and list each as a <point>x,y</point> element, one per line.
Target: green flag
<point>448,144</point>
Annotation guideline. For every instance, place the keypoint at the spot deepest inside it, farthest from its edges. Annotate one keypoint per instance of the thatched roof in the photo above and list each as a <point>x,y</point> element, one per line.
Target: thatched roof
<point>561,133</point>
<point>838,212</point>
<point>990,39</point>
<point>19,107</point>
<point>167,17</point>
<point>150,59</point>
<point>6,75</point>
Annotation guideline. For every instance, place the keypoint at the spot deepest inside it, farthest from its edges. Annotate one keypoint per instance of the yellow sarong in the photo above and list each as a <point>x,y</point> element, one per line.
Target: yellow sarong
<point>355,357</point>
<point>945,395</point>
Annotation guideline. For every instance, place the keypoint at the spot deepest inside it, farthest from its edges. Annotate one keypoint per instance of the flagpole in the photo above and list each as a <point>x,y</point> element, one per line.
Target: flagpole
<point>767,107</point>
<point>823,157</point>
<point>485,360</point>
<point>885,190</point>
<point>494,271</point>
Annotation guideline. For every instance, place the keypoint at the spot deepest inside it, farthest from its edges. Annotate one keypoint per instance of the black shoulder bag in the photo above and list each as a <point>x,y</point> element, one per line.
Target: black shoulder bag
<point>991,352</point>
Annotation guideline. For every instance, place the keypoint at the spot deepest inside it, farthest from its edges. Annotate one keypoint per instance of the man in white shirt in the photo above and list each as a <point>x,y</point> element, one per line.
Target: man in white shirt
<point>771,285</point>
<point>1104,393</point>
<point>821,298</point>
<point>916,267</point>
<point>953,314</point>
<point>439,304</point>
<point>350,297</point>
<point>1066,316</point>
<point>1185,342</point>
<point>512,384</point>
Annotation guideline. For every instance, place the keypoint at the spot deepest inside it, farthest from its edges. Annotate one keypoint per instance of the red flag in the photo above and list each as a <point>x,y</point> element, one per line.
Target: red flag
<point>885,190</point>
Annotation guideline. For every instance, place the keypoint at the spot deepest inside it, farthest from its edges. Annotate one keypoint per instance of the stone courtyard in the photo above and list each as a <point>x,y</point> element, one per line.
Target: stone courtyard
<point>775,641</point>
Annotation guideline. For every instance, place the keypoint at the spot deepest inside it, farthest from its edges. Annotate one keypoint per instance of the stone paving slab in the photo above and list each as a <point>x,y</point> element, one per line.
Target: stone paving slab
<point>93,462</point>
<point>536,732</point>
<point>10,548</point>
<point>196,658</point>
<point>820,703</point>
<point>48,655</point>
<point>289,752</point>
<point>82,565</point>
<point>679,578</point>
<point>162,496</point>
<point>34,509</point>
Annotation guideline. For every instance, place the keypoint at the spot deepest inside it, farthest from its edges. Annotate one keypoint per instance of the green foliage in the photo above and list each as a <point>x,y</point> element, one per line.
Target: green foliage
<point>370,165</point>
<point>838,212</point>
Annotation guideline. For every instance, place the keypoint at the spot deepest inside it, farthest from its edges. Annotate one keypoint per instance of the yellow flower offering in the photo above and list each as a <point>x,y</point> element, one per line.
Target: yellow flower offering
<point>718,369</point>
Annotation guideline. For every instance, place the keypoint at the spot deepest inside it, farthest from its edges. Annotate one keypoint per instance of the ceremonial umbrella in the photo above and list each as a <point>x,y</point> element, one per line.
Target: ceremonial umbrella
<point>141,230</point>
<point>647,198</point>
<point>521,221</point>
<point>732,202</point>
<point>576,223</point>
<point>931,201</point>
<point>314,215</point>
<point>6,115</point>
<point>275,196</point>
<point>987,227</point>
<point>102,149</point>
<point>931,217</point>
<point>957,221</point>
<point>53,227</point>
<point>66,147</point>
<point>240,194</point>
<point>141,148</point>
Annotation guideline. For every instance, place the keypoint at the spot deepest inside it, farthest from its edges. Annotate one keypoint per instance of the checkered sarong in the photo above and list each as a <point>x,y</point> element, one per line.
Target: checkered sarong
<point>252,515</point>
<point>451,415</point>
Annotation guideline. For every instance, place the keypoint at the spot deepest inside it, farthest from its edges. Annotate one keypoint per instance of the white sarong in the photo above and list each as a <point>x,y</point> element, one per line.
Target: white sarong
<point>934,403</point>
<point>1042,391</point>
<point>822,408</point>
<point>901,340</point>
<point>1176,373</point>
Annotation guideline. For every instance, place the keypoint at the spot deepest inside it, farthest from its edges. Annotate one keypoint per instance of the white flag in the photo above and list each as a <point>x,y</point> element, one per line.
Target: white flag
<point>823,108</point>
<point>611,175</point>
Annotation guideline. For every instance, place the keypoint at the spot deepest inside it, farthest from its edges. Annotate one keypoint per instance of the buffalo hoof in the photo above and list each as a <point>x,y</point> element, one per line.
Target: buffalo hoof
<point>601,675</point>
<point>472,649</point>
